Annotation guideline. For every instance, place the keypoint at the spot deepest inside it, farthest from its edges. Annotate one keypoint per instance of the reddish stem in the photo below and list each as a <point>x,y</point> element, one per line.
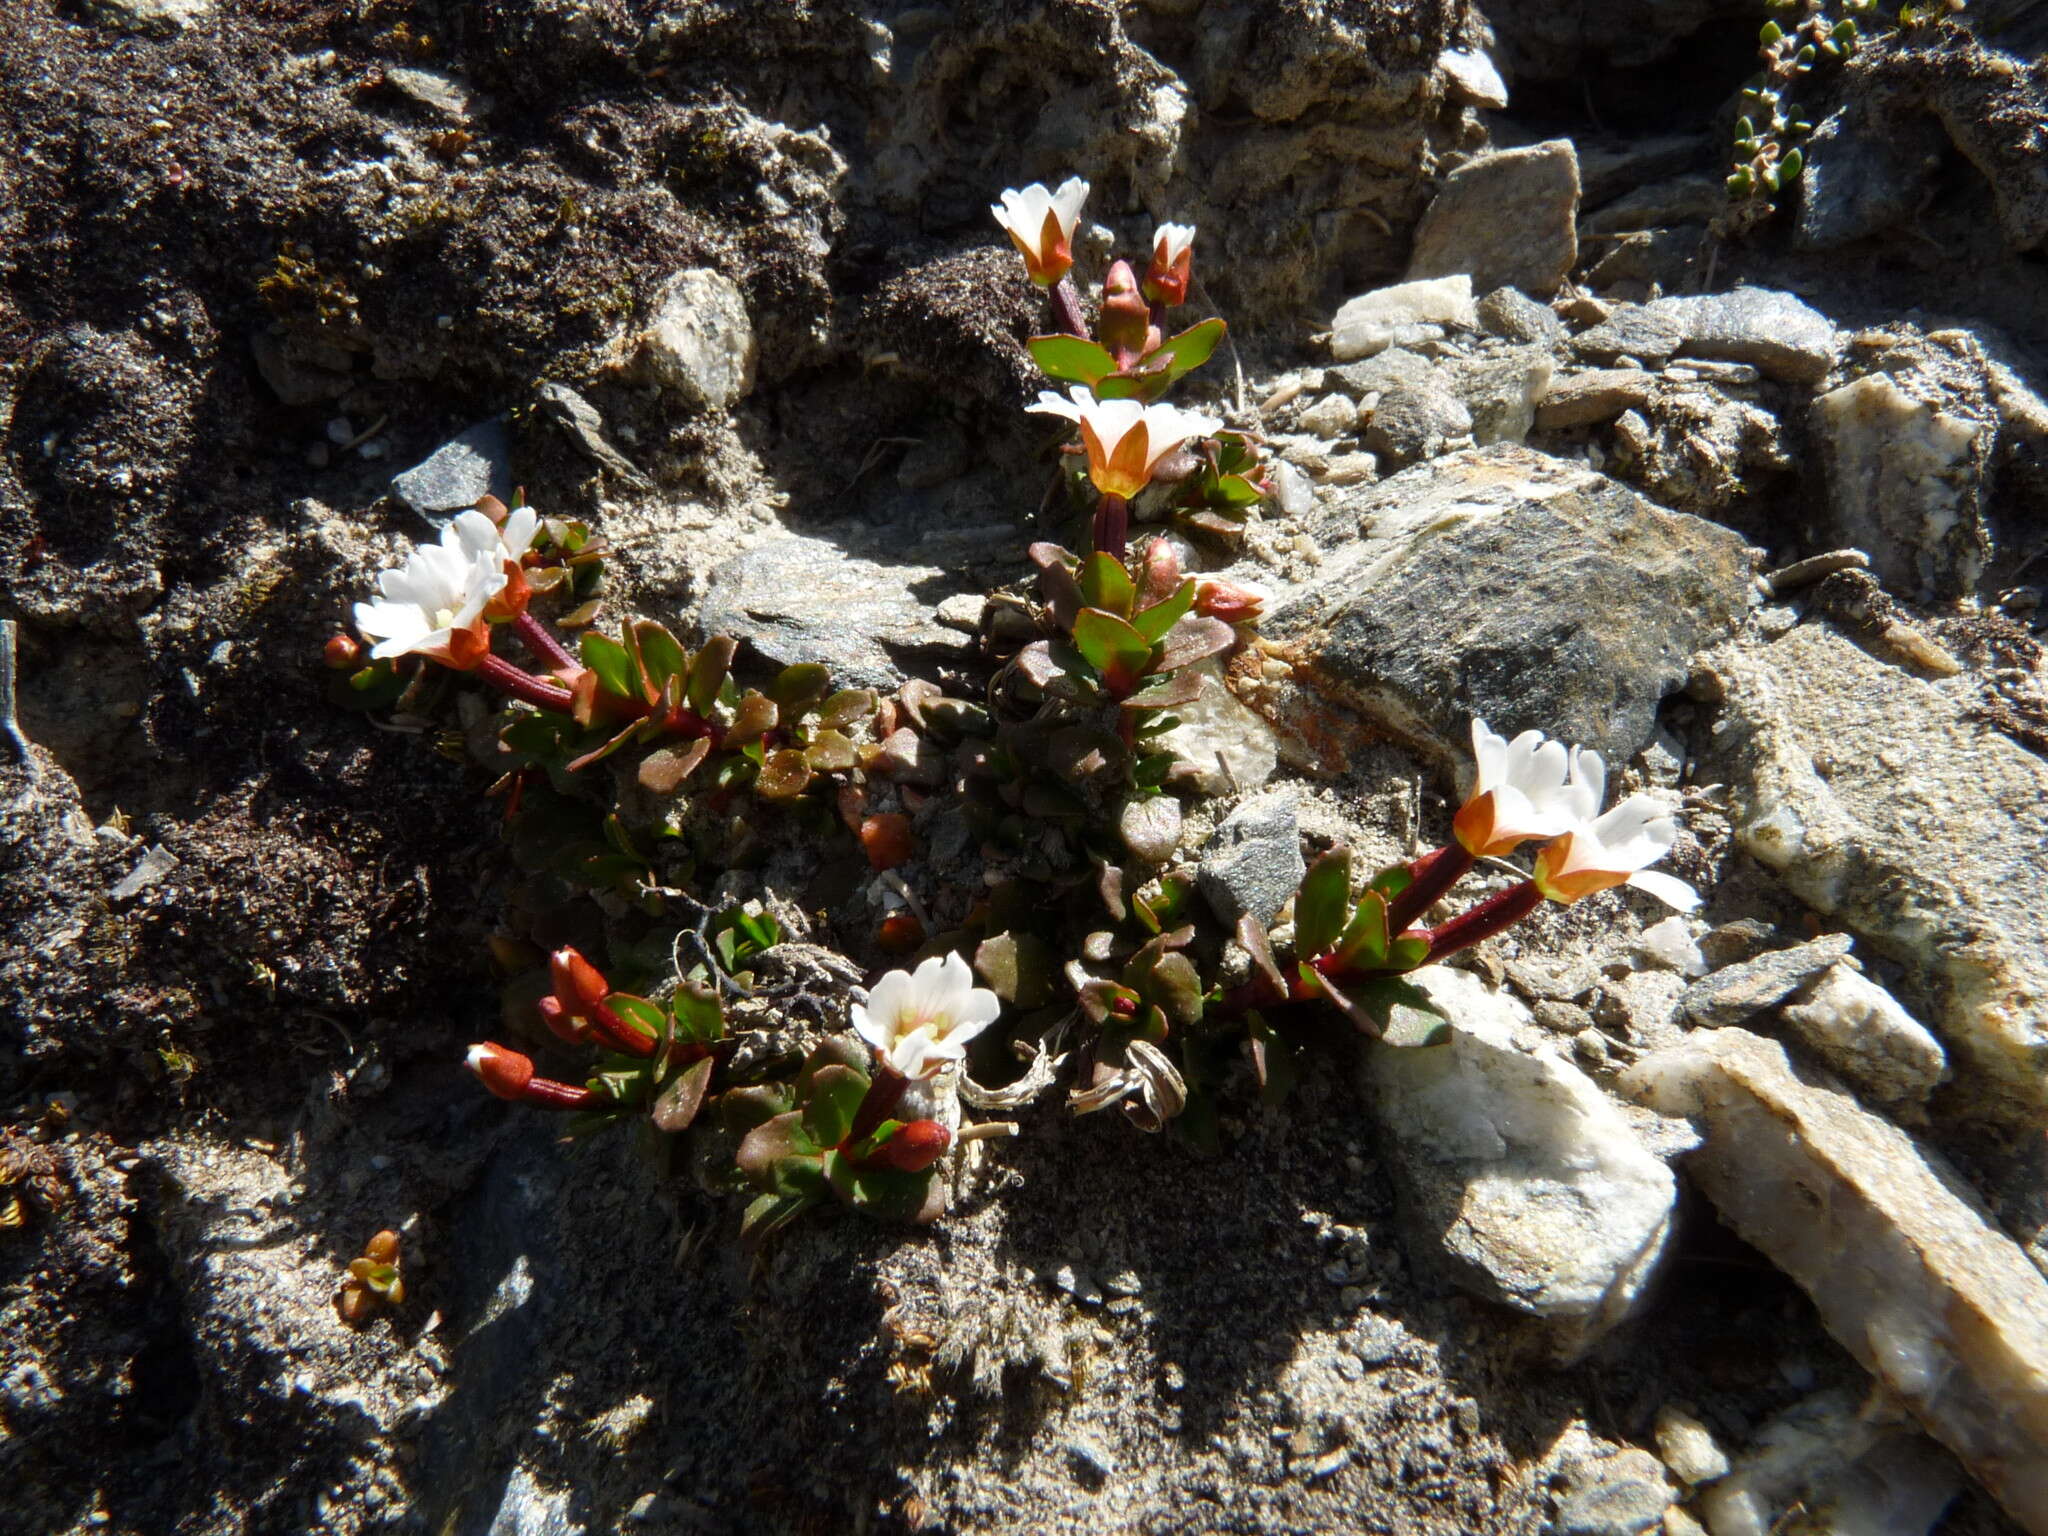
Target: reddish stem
<point>540,640</point>
<point>539,692</point>
<point>618,1034</point>
<point>1430,877</point>
<point>885,1092</point>
<point>1498,911</point>
<point>549,1094</point>
<point>1112,525</point>
<point>1066,308</point>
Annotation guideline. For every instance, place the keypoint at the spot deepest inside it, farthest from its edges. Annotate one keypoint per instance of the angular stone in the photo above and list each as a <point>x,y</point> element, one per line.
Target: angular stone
<point>1500,392</point>
<point>700,344</point>
<point>1511,313</point>
<point>1864,175</point>
<point>1380,373</point>
<point>1220,746</point>
<point>1330,416</point>
<point>1405,312</point>
<point>1778,333</point>
<point>1885,804</point>
<point>1473,78</point>
<point>1505,583</point>
<point>1688,1446</point>
<point>1505,218</point>
<point>1641,331</point>
<point>1517,1169</point>
<point>433,90</point>
<point>1828,1464</point>
<point>460,473</point>
<point>1587,399</point>
<point>155,18</point>
<point>1905,463</point>
<point>1740,992</point>
<point>806,599</point>
<point>1862,1034</point>
<point>1905,1272</point>
<point>1415,421</point>
<point>1254,863</point>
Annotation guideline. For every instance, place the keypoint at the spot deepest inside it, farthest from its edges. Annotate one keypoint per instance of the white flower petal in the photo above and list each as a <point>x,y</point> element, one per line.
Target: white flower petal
<point>518,533</point>
<point>1175,238</point>
<point>1669,889</point>
<point>1066,203</point>
<point>1052,405</point>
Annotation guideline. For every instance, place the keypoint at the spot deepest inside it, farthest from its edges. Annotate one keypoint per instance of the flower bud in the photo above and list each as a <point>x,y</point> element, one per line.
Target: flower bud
<point>559,1021</point>
<point>1161,574</point>
<point>343,653</point>
<point>1126,317</point>
<point>579,985</point>
<point>1232,602</point>
<point>914,1148</point>
<point>505,1073</point>
<point>1166,280</point>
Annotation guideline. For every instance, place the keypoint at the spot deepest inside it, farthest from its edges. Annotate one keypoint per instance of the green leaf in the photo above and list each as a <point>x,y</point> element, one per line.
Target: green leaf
<point>1187,351</point>
<point>1407,952</point>
<point>1112,647</point>
<point>1363,945</point>
<point>1322,904</point>
<point>756,717</point>
<point>699,1018</point>
<point>645,1016</point>
<point>741,1109</point>
<point>680,1101</point>
<point>1253,939</point>
<point>608,659</point>
<point>884,1192</point>
<point>836,1094</point>
<point>1770,34</point>
<point>661,654</point>
<point>1167,692</point>
<point>708,671</point>
<point>830,751</point>
<point>769,1214</point>
<point>1392,882</point>
<point>846,707</point>
<point>1790,167</point>
<point>1236,491</point>
<point>796,686</point>
<point>832,1051</point>
<point>1070,359</point>
<point>1273,1061</point>
<point>1154,622</point>
<point>1195,638</point>
<point>1401,1013</point>
<point>1105,584</point>
<point>768,1145</point>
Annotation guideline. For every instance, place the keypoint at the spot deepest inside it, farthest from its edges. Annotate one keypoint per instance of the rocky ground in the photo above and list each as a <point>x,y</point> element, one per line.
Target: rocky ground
<point>1737,1221</point>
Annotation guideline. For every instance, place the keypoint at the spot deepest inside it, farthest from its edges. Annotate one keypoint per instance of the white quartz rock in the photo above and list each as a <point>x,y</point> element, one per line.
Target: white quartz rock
<point>1405,312</point>
<point>1940,1306</point>
<point>1533,1185</point>
<point>1861,1032</point>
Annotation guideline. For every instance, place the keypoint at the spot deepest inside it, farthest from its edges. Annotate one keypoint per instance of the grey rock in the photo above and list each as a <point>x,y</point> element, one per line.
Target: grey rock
<point>1688,1447</point>
<point>154,866</point>
<point>1381,372</point>
<point>433,90</point>
<point>295,377</point>
<point>700,343</point>
<point>1516,1171</point>
<point>1609,170</point>
<point>1473,78</point>
<point>1902,1265</point>
<point>1511,313</point>
<point>1622,1501</point>
<point>1329,416</point>
<point>578,418</point>
<point>1415,421</point>
<point>1697,447</point>
<point>1633,265</point>
<point>1866,171</point>
<point>155,18</point>
<point>1150,828</point>
<point>806,599</point>
<point>1739,993</point>
<point>525,1508</point>
<point>1505,218</point>
<point>1906,458</point>
<point>1660,205</point>
<point>1253,863</point>
<point>459,473</point>
<point>1865,1037</point>
<point>1732,943</point>
<point>1500,392</point>
<point>1587,399</point>
<point>1882,801</point>
<point>1778,333</point>
<point>1505,583</point>
<point>1219,746</point>
<point>1645,332</point>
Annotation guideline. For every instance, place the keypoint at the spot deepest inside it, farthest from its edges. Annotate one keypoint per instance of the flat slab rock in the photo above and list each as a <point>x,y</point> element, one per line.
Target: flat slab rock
<point>806,599</point>
<point>1883,803</point>
<point>1529,1182</point>
<point>1500,582</point>
<point>1505,219</point>
<point>1905,1271</point>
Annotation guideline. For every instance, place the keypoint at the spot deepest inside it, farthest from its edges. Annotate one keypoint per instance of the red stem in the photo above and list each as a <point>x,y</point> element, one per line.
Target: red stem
<point>1432,875</point>
<point>549,1094</point>
<point>540,640</point>
<point>1112,525</point>
<point>1498,911</point>
<point>539,692</point>
<point>1066,308</point>
<point>618,1034</point>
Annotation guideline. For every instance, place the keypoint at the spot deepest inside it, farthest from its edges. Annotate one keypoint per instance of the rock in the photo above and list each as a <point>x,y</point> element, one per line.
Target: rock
<point>1883,803</point>
<point>1404,313</point>
<point>1587,399</point>
<point>152,868</point>
<point>700,343</point>
<point>1511,313</point>
<point>1738,993</point>
<point>1905,463</point>
<point>1473,78</point>
<point>806,599</point>
<point>1610,169</point>
<point>1643,332</point>
<point>1330,416</point>
<point>1500,392</point>
<point>156,18</point>
<point>1676,200</point>
<point>1377,374</point>
<point>1621,1495</point>
<point>1905,1272</point>
<point>1670,944</point>
<point>1415,421</point>
<point>1504,583</point>
<point>1776,332</point>
<point>1688,1447</point>
<point>296,377</point>
<point>1253,863</point>
<point>1697,448</point>
<point>1219,746</point>
<point>1506,218</point>
<point>1867,170</point>
<point>1517,1171</point>
<point>578,418</point>
<point>432,89</point>
<point>1864,1036</point>
<point>1825,1465</point>
<point>525,1508</point>
<point>460,473</point>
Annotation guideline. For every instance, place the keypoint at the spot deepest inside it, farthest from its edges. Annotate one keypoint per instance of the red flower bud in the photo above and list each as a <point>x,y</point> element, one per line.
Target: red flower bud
<point>1228,601</point>
<point>1167,278</point>
<point>579,985</point>
<point>505,1073</point>
<point>343,653</point>
<point>1126,317</point>
<point>914,1148</point>
<point>561,1024</point>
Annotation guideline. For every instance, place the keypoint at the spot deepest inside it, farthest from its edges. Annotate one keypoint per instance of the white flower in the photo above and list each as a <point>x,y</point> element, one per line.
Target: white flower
<point>1614,850</point>
<point>1125,439</point>
<point>1041,223</point>
<point>433,604</point>
<point>918,1021</point>
<point>1528,787</point>
<point>1170,243</point>
<point>471,533</point>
